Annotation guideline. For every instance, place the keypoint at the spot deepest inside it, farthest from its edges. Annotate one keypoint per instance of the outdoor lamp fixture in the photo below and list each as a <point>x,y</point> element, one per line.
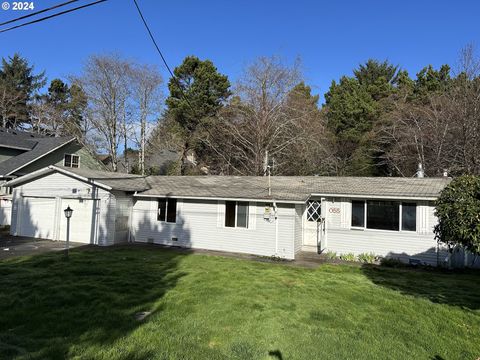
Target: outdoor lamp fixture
<point>68,214</point>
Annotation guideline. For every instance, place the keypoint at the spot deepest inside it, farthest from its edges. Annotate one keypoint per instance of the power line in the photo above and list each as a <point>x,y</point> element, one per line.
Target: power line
<point>38,12</point>
<point>52,16</point>
<point>161,55</point>
<point>153,39</point>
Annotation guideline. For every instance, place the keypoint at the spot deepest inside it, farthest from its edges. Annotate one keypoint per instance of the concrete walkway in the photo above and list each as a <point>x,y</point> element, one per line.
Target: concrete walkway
<point>12,246</point>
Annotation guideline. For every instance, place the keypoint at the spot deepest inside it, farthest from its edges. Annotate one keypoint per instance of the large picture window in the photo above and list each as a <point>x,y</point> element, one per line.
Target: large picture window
<point>236,214</point>
<point>384,215</point>
<point>167,210</point>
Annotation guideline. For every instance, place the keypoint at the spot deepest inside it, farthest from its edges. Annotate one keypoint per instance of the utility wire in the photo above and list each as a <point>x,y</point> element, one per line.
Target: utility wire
<point>38,12</point>
<point>161,55</point>
<point>52,16</point>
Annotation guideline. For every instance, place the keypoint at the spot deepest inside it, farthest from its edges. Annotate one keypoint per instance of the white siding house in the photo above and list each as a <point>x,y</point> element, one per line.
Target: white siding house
<point>390,217</point>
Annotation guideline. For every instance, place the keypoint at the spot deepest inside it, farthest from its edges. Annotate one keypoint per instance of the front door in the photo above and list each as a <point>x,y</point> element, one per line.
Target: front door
<point>314,226</point>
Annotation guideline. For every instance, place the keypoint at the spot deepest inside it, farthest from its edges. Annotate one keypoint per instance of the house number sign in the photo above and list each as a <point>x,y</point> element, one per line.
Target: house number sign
<point>334,210</point>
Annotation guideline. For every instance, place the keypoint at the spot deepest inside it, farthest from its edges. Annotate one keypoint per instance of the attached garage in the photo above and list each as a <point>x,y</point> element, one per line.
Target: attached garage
<point>80,231</point>
<point>101,205</point>
<point>36,217</point>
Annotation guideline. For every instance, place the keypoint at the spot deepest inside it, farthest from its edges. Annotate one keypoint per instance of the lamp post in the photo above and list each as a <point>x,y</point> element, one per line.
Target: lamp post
<point>68,214</point>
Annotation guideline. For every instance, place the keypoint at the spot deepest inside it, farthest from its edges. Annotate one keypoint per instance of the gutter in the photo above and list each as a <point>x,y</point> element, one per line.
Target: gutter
<point>368,196</point>
<point>219,198</point>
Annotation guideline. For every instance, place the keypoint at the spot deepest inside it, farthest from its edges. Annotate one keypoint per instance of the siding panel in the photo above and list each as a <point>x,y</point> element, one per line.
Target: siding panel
<point>201,225</point>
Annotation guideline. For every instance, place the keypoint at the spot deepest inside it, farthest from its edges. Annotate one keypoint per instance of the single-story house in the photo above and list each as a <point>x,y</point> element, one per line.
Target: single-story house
<point>23,152</point>
<point>391,217</point>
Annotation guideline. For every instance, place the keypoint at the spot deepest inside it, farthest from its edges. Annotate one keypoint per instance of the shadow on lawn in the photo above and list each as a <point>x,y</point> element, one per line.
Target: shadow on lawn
<point>52,308</point>
<point>457,288</point>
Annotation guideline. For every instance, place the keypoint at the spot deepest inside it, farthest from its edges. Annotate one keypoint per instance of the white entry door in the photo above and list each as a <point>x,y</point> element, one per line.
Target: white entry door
<point>82,222</point>
<point>36,217</point>
<point>314,225</point>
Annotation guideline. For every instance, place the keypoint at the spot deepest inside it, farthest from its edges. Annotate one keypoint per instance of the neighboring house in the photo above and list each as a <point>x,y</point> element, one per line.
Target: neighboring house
<point>22,153</point>
<point>386,216</point>
<point>159,162</point>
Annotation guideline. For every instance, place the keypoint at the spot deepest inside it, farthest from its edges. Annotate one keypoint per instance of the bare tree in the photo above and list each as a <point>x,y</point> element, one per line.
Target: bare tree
<point>258,119</point>
<point>146,82</point>
<point>105,80</point>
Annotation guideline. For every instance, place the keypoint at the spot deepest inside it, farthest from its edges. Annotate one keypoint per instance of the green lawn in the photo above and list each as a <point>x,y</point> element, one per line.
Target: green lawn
<point>208,307</point>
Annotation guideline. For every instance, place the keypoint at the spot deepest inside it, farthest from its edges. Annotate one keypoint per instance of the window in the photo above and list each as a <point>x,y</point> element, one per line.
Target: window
<point>314,210</point>
<point>71,160</point>
<point>167,210</point>
<point>358,213</point>
<point>384,215</point>
<point>409,216</point>
<point>236,214</point>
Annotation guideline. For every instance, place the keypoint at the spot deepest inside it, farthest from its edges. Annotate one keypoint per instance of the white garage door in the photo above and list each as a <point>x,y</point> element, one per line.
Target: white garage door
<point>81,222</point>
<point>37,217</point>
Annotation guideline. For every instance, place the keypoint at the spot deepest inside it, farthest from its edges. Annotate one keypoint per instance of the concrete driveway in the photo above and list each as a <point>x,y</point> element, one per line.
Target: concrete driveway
<point>11,246</point>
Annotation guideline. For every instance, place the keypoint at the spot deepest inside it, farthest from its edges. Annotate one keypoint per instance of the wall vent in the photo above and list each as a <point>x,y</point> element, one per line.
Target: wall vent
<point>174,239</point>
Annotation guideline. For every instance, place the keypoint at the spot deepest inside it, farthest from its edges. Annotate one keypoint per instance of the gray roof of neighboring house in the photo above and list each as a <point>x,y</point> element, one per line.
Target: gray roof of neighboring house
<point>35,147</point>
<point>292,188</point>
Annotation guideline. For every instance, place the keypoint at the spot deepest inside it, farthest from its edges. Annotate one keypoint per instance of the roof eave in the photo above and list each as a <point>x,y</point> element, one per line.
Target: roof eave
<point>219,198</point>
<point>371,196</point>
<point>50,169</point>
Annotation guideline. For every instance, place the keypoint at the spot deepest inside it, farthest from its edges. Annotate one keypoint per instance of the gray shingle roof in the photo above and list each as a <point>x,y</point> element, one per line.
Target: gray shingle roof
<point>283,188</point>
<point>39,146</point>
<point>117,181</point>
<point>292,188</point>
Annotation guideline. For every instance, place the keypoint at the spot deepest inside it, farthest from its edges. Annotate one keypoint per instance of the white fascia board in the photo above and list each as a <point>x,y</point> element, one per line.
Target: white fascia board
<point>51,169</point>
<point>220,198</point>
<point>79,177</point>
<point>388,197</point>
<point>32,175</point>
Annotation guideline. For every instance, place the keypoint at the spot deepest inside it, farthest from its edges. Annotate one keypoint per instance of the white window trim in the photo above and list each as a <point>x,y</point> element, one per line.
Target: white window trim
<point>236,215</point>
<point>400,229</point>
<point>71,160</point>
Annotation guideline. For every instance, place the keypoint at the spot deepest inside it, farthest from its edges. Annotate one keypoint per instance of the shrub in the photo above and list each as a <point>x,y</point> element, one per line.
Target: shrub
<point>391,262</point>
<point>348,257</point>
<point>367,258</point>
<point>457,210</point>
<point>331,255</point>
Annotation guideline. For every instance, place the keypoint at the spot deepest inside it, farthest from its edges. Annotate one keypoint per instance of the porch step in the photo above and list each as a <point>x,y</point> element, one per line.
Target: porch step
<point>309,248</point>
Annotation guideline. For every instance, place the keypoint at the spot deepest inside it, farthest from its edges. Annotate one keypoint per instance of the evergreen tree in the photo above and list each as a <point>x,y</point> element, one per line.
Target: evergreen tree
<point>197,92</point>
<point>17,79</point>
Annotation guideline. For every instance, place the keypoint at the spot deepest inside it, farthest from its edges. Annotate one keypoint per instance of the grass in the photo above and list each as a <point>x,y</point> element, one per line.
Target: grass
<point>208,307</point>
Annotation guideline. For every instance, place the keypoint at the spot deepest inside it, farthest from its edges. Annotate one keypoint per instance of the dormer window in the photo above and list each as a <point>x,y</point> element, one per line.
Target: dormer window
<point>71,160</point>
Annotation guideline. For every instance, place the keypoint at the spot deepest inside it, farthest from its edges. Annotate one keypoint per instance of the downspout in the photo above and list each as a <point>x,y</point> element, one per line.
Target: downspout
<point>276,227</point>
<point>130,219</point>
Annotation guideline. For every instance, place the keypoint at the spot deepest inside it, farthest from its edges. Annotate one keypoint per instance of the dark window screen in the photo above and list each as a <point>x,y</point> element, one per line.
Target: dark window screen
<point>172,210</point>
<point>358,213</point>
<point>162,209</point>
<point>409,216</point>
<point>383,215</point>
<point>230,213</point>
